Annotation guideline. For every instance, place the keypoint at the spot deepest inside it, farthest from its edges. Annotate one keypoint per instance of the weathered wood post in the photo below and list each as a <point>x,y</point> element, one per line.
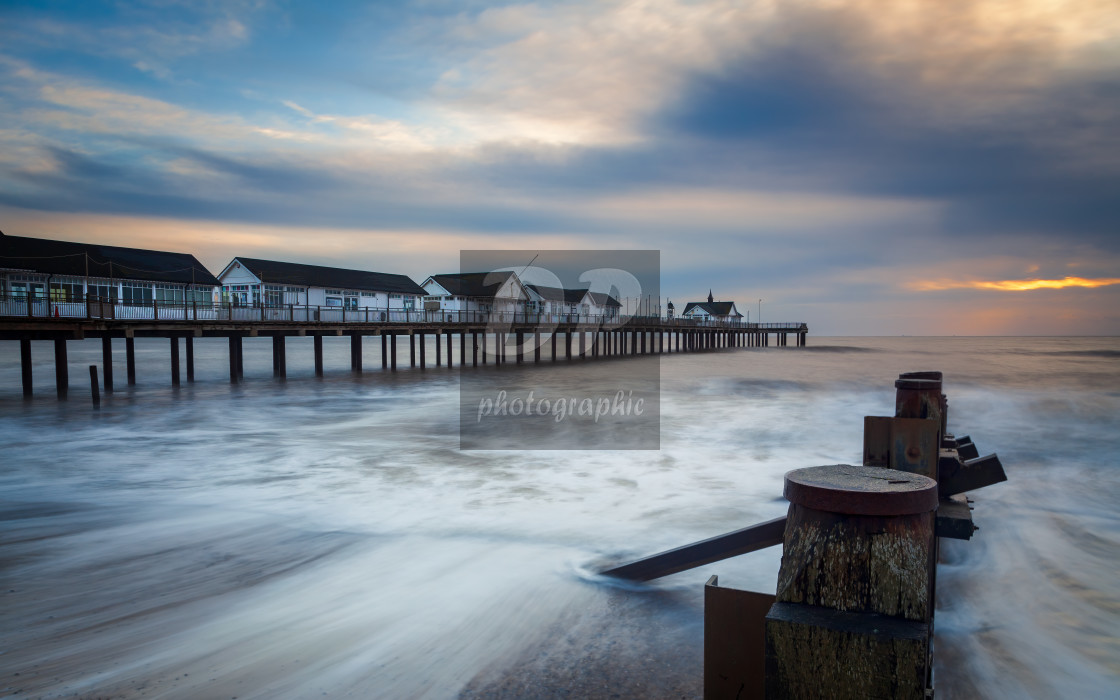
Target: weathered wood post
<point>234,340</point>
<point>854,597</point>
<point>439,350</point>
<point>317,343</point>
<point>355,350</point>
<point>107,361</point>
<point>174,361</point>
<point>190,361</point>
<point>392,352</point>
<point>25,365</point>
<point>61,368</point>
<point>423,351</point>
<point>519,337</point>
<point>94,392</point>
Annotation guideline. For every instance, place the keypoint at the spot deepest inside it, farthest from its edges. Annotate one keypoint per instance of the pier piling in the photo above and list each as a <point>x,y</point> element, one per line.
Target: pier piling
<point>107,362</point>
<point>356,351</point>
<point>233,342</point>
<point>94,392</point>
<point>190,360</point>
<point>174,361</point>
<point>61,369</point>
<point>130,359</point>
<point>317,343</point>
<point>25,365</point>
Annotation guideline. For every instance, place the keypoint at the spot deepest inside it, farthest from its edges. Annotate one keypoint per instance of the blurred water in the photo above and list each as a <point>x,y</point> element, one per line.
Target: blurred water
<point>311,536</point>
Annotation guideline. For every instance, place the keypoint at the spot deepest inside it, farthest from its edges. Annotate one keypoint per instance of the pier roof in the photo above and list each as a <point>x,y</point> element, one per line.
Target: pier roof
<point>473,284</point>
<point>573,296</point>
<point>276,272</point>
<point>714,308</point>
<point>73,259</point>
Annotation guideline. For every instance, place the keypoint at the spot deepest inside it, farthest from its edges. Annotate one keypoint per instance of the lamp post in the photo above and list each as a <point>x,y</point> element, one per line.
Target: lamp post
<point>760,311</point>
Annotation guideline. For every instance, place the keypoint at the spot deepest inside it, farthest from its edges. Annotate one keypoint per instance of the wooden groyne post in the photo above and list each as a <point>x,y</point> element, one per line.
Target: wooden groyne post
<point>854,596</point>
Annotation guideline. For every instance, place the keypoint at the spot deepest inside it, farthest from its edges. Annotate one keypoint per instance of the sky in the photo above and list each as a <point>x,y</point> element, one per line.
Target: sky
<point>869,168</point>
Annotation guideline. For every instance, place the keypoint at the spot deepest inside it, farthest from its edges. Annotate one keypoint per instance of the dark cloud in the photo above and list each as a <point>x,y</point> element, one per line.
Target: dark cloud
<point>815,99</point>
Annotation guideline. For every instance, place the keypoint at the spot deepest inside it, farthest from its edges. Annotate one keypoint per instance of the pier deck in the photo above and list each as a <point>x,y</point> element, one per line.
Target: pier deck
<point>497,335</point>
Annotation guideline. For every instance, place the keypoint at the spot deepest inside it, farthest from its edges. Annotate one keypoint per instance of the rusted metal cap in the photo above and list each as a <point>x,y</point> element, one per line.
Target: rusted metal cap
<point>918,384</point>
<point>857,490</point>
<point>929,374</point>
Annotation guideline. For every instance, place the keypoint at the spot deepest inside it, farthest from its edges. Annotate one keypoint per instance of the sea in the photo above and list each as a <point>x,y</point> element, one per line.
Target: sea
<point>327,537</point>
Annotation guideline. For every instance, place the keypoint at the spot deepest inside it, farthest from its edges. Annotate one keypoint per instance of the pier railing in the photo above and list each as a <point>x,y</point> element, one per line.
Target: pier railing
<point>93,307</point>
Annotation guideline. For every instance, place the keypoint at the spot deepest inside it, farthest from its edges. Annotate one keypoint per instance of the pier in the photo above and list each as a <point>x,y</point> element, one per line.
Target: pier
<point>462,338</point>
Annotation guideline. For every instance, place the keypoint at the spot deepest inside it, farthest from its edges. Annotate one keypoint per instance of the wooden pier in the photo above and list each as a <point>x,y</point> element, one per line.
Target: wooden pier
<point>477,340</point>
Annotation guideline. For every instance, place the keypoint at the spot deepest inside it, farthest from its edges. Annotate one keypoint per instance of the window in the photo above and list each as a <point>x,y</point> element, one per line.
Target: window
<point>169,293</point>
<point>370,294</point>
<point>136,293</point>
<point>102,290</point>
<point>66,289</point>
<point>273,295</point>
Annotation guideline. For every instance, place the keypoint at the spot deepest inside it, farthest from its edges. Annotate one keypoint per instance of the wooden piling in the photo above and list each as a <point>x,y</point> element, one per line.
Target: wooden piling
<point>107,362</point>
<point>317,342</point>
<point>474,351</point>
<point>448,334</point>
<point>854,603</point>
<point>25,365</point>
<point>423,351</point>
<point>61,368</point>
<point>356,352</point>
<point>439,359</point>
<point>174,361</point>
<point>234,340</point>
<point>462,348</point>
<point>94,392</point>
<point>520,338</point>
<point>392,352</point>
<point>190,361</point>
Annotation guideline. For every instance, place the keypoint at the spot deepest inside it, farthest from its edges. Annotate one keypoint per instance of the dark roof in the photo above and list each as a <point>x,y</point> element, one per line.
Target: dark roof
<point>67,258</point>
<point>714,308</point>
<point>273,272</point>
<point>570,296</point>
<point>473,284</point>
<point>573,296</point>
<point>604,299</point>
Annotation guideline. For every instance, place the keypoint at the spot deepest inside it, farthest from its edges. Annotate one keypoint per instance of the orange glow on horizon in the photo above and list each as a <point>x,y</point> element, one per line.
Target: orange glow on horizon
<point>1014,285</point>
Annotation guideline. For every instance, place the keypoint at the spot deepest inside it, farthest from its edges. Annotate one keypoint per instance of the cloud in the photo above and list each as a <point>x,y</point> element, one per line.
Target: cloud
<point>1014,285</point>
